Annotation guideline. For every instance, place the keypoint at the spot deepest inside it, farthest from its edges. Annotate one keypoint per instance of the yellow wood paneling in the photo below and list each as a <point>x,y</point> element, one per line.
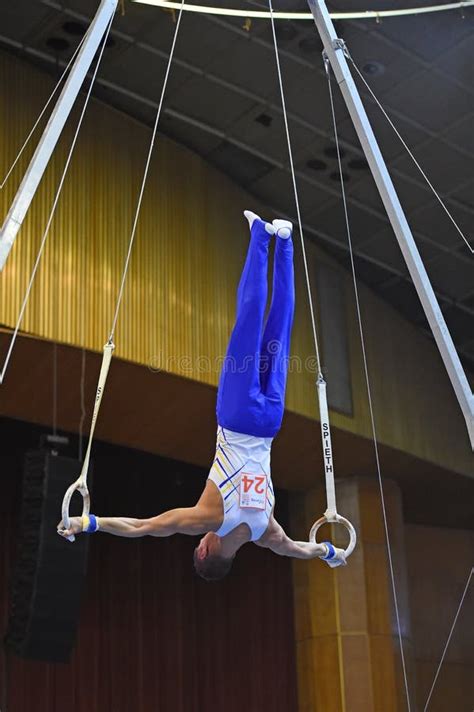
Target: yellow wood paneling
<point>348,613</point>
<point>178,305</point>
<point>357,673</point>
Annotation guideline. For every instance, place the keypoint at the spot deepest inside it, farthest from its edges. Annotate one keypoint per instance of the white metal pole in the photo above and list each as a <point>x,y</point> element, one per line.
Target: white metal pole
<point>52,132</point>
<point>335,52</point>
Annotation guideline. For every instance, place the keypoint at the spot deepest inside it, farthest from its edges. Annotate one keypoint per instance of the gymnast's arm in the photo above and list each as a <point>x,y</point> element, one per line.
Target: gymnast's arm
<point>187,520</point>
<point>280,543</point>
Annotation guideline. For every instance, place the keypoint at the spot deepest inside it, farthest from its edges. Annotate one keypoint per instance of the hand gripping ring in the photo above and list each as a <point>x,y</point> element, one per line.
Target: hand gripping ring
<point>335,519</point>
<point>80,487</point>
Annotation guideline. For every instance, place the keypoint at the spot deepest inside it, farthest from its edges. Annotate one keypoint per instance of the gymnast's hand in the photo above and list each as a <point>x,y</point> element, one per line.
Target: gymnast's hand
<point>338,558</point>
<point>75,528</point>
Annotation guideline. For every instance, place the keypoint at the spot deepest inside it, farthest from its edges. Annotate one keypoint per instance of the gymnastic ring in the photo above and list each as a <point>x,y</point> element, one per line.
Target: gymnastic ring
<point>337,519</point>
<point>81,487</point>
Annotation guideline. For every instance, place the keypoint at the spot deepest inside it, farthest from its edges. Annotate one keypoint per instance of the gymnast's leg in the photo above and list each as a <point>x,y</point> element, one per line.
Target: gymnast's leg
<point>275,352</point>
<point>239,400</point>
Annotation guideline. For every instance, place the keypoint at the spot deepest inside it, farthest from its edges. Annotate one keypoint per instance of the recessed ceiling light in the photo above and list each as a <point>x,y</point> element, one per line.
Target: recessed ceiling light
<point>316,164</point>
<point>58,44</point>
<point>264,119</point>
<point>331,152</point>
<point>373,69</point>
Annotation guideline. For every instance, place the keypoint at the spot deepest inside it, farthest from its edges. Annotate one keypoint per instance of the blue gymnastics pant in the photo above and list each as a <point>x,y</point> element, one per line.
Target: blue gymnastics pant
<point>251,395</point>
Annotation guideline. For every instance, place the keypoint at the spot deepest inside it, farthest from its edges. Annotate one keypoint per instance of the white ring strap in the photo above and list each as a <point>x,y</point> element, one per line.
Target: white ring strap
<point>330,515</point>
<point>80,485</point>
<point>331,510</point>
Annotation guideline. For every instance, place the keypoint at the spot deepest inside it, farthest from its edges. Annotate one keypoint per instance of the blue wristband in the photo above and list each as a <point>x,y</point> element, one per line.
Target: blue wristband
<point>92,524</point>
<point>331,551</point>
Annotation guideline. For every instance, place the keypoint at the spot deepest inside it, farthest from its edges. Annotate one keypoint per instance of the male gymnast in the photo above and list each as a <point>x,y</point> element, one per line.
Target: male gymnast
<point>237,503</point>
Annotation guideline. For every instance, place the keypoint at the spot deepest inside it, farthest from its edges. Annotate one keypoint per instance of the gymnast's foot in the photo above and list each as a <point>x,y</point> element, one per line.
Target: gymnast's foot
<point>251,217</point>
<point>283,228</point>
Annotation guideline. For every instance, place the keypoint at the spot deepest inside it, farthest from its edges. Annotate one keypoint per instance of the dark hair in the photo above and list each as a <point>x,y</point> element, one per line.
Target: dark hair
<point>212,568</point>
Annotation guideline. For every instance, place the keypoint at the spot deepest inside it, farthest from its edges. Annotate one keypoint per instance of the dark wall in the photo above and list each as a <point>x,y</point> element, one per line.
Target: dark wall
<point>152,635</point>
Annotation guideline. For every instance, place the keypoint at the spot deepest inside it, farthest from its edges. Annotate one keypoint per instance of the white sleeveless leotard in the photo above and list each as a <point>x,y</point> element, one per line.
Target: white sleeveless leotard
<point>238,454</point>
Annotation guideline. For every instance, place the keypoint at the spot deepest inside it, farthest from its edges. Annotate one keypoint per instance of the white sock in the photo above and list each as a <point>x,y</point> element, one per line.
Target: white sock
<point>251,217</point>
<point>283,228</point>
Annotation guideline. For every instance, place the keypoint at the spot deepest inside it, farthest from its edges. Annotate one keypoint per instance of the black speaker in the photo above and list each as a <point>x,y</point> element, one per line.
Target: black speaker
<point>50,571</point>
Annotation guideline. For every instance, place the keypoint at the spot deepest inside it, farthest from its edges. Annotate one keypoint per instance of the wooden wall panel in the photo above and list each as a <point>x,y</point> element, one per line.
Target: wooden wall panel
<point>439,561</point>
<point>178,305</point>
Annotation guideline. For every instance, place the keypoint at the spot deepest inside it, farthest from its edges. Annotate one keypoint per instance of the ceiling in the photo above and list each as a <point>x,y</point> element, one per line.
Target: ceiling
<point>223,102</point>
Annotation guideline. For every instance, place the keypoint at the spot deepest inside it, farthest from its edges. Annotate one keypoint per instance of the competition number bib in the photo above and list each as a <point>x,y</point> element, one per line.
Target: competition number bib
<point>253,491</point>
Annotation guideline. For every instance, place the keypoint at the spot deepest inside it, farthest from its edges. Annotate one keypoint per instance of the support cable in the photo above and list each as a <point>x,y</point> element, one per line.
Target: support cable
<point>80,485</point>
<point>296,194</point>
<point>83,405</point>
<point>55,389</point>
<point>409,151</point>
<point>368,386</point>
<point>448,640</point>
<point>82,382</point>
<point>53,210</point>
<point>35,125</point>
<point>331,514</point>
<point>145,176</point>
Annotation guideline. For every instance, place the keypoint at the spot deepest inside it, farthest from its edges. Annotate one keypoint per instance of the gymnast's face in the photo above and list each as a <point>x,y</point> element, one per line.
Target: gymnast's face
<point>208,560</point>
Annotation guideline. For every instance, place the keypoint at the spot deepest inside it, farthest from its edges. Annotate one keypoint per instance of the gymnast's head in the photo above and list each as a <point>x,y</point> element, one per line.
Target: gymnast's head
<point>209,563</point>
